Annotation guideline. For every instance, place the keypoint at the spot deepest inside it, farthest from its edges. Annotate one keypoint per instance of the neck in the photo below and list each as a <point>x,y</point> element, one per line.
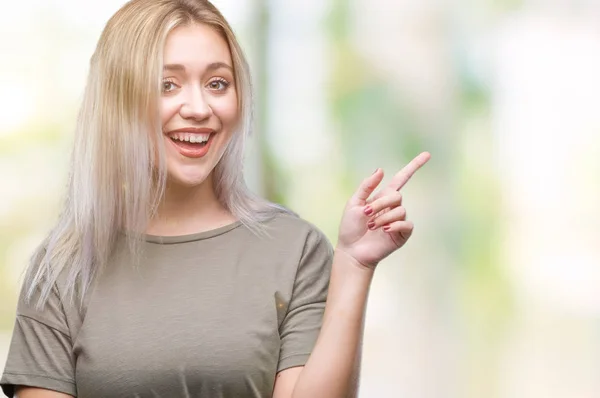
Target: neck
<point>187,210</point>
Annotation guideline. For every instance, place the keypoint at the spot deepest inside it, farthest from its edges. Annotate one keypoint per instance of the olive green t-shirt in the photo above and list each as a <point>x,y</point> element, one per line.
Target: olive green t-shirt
<point>213,314</point>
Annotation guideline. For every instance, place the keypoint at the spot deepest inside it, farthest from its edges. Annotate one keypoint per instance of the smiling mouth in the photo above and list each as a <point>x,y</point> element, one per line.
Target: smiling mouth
<point>192,145</point>
<point>191,140</point>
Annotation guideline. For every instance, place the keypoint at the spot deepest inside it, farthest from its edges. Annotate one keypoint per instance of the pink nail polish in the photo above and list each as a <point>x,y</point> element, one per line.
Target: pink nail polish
<point>371,225</point>
<point>386,228</point>
<point>368,210</point>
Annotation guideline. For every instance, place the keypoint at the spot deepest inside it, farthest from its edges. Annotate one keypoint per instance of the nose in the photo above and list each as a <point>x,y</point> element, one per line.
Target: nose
<point>195,105</point>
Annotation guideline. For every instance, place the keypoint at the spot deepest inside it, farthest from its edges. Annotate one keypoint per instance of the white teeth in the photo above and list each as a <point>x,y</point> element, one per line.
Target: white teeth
<point>192,138</point>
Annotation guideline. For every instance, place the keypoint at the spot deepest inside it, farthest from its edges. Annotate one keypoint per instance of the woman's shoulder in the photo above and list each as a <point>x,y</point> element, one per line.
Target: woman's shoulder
<point>289,227</point>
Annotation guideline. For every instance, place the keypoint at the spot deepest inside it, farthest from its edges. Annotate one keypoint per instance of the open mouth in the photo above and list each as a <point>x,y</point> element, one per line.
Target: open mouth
<point>191,140</point>
<point>192,145</point>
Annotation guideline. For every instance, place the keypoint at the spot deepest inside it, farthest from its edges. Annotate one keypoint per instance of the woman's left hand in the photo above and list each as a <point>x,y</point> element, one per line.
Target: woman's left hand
<point>372,229</point>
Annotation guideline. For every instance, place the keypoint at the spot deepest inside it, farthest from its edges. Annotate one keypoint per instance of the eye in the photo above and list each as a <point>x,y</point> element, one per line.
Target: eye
<point>168,86</point>
<point>219,84</point>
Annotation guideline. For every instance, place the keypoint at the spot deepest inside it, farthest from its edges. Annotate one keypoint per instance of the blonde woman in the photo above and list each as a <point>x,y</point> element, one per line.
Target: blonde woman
<point>165,276</point>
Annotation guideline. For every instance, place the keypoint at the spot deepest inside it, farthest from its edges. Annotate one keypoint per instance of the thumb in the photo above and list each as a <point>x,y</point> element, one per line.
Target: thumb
<point>366,188</point>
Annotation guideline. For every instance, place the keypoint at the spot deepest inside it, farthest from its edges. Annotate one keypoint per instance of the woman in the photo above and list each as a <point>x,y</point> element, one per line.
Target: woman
<point>164,275</point>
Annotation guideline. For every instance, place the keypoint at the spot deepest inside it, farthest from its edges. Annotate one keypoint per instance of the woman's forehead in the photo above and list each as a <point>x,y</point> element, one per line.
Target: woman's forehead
<point>196,45</point>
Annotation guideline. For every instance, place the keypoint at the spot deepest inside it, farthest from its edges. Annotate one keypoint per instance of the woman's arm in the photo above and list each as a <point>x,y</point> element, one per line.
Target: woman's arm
<point>30,392</point>
<point>333,367</point>
<point>370,230</point>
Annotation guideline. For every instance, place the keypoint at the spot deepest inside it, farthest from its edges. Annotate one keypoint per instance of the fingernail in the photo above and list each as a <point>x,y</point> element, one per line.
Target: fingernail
<point>386,228</point>
<point>371,225</point>
<point>368,210</point>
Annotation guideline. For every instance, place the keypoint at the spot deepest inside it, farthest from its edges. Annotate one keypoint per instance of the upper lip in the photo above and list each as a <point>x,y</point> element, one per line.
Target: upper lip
<point>194,130</point>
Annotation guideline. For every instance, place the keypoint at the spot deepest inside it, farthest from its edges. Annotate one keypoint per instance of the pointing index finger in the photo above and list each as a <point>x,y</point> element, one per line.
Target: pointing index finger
<point>402,177</point>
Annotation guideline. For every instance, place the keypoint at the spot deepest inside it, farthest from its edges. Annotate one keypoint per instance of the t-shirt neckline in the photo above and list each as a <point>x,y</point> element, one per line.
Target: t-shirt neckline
<point>167,240</point>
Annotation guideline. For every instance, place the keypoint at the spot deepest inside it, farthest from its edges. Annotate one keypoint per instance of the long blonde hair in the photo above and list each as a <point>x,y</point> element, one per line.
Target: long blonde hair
<point>116,179</point>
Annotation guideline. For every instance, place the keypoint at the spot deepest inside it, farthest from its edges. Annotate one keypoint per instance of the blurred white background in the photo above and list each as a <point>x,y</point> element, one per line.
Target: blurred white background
<point>497,293</point>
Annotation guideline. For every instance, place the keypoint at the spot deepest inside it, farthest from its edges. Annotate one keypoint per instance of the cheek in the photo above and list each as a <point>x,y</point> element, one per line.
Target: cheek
<point>227,111</point>
<point>168,109</point>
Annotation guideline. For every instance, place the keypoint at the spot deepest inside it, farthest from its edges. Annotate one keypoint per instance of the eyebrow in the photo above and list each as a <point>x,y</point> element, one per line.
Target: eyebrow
<point>210,67</point>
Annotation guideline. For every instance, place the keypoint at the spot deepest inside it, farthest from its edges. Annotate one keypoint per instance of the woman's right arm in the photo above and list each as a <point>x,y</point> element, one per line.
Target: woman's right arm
<point>40,361</point>
<point>29,392</point>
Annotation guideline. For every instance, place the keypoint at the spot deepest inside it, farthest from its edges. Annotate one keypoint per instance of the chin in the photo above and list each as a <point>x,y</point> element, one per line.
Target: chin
<point>187,179</point>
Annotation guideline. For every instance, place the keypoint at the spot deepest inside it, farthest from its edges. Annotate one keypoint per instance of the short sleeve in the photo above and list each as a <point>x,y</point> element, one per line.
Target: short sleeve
<point>41,352</point>
<point>302,323</point>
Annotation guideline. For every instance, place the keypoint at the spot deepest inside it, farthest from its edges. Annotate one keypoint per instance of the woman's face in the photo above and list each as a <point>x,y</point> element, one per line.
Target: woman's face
<point>199,106</point>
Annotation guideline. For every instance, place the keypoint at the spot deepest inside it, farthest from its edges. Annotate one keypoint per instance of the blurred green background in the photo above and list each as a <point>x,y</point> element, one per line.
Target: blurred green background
<point>498,292</point>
